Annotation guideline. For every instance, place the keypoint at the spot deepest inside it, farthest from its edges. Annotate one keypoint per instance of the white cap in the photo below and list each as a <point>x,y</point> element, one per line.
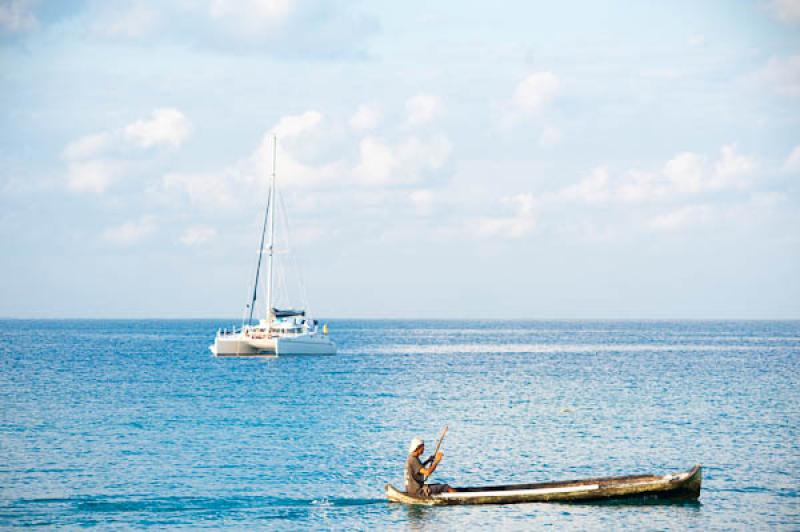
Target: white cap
<point>416,442</point>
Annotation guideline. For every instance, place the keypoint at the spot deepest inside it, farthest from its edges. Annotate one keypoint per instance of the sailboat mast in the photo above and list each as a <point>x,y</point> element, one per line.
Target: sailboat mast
<point>270,248</point>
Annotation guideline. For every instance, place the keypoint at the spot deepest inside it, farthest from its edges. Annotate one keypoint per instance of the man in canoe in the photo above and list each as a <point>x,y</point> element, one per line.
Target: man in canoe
<point>417,471</point>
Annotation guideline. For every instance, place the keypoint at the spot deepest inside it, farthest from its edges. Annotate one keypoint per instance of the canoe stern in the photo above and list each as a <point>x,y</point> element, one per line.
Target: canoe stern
<point>690,486</point>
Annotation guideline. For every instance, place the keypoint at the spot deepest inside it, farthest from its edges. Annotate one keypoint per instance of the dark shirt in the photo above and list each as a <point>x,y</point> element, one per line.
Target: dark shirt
<point>413,477</point>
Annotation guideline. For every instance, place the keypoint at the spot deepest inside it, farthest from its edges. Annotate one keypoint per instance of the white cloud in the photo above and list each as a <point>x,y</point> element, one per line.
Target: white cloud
<point>781,75</point>
<point>787,11</point>
<point>92,176</point>
<point>17,16</point>
<point>792,163</point>
<point>422,200</point>
<point>300,140</point>
<point>522,223</point>
<point>684,177</point>
<point>287,28</point>
<point>88,146</point>
<point>510,227</point>
<point>205,190</point>
<point>131,232</point>
<point>411,161</point>
<point>535,92</point>
<point>550,136</point>
<point>404,171</point>
<point>423,108</point>
<point>592,189</point>
<point>365,118</point>
<point>417,155</point>
<point>95,161</point>
<point>251,17</point>
<point>238,183</point>
<point>681,218</point>
<point>686,174</point>
<point>524,203</point>
<point>197,235</point>
<point>691,173</point>
<point>730,167</point>
<point>296,125</point>
<point>167,126</point>
<point>376,161</point>
<point>294,173</point>
<point>638,186</point>
<point>132,23</point>
<point>262,9</point>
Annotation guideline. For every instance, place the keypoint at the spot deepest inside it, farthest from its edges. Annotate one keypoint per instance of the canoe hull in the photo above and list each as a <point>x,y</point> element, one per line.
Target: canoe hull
<point>684,485</point>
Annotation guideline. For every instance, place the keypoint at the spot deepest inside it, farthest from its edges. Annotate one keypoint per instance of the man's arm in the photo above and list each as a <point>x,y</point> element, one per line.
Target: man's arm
<point>428,470</point>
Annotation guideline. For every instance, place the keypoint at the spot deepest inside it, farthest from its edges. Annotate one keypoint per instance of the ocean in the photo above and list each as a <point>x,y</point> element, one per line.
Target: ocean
<point>126,424</point>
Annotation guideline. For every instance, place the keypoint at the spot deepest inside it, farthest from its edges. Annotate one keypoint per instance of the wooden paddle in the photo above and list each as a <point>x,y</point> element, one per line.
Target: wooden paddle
<point>438,444</point>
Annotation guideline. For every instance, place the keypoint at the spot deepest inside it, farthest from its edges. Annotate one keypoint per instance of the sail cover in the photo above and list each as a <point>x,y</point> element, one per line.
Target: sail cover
<point>288,313</point>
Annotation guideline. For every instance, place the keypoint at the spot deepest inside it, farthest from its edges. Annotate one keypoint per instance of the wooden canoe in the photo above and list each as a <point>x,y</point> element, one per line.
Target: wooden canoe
<point>684,485</point>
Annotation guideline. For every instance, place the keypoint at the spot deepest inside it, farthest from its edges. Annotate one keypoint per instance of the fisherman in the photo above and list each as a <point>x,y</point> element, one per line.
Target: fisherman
<point>417,471</point>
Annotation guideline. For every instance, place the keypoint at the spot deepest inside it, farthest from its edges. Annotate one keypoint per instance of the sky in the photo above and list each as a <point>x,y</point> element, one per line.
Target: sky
<point>515,160</point>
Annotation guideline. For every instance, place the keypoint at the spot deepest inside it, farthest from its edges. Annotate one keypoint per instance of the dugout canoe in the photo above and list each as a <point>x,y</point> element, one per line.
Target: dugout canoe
<point>685,485</point>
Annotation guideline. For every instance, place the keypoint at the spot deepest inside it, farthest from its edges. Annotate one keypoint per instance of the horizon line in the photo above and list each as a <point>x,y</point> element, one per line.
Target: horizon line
<point>356,318</point>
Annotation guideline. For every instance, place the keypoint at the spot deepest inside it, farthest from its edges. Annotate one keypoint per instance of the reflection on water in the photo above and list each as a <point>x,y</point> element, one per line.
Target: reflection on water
<point>416,516</point>
<point>642,501</point>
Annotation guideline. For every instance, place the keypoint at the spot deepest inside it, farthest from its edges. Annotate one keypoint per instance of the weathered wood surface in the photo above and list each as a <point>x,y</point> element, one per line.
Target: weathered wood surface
<point>684,485</point>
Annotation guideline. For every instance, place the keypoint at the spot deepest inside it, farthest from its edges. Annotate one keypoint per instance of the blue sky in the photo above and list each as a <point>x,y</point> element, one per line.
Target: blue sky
<point>461,159</point>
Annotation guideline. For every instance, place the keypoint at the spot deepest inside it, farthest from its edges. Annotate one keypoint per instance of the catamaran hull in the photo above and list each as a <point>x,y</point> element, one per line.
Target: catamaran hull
<point>241,346</point>
<point>237,345</point>
<point>306,345</point>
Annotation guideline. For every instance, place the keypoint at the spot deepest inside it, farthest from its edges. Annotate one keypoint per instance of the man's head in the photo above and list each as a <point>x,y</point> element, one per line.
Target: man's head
<point>416,447</point>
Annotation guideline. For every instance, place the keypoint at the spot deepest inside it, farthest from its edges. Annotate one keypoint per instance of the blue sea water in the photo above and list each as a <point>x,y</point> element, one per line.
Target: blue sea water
<point>132,424</point>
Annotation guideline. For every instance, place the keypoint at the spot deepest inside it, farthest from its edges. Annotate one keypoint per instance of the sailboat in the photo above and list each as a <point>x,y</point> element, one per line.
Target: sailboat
<point>281,331</point>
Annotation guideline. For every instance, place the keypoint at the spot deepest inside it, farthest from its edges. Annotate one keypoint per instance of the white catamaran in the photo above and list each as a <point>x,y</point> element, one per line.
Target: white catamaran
<point>281,331</point>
